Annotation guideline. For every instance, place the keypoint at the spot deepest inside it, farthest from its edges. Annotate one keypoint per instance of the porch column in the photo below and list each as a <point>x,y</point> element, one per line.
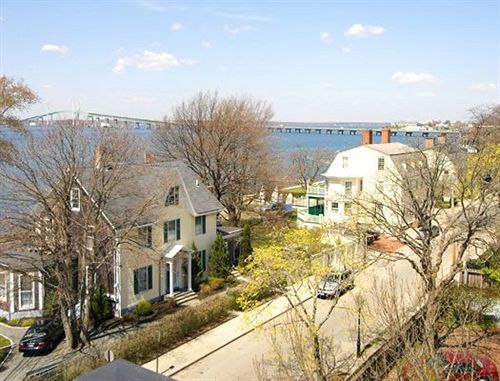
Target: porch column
<point>171,278</point>
<point>11,294</point>
<point>40,291</point>
<point>190,281</point>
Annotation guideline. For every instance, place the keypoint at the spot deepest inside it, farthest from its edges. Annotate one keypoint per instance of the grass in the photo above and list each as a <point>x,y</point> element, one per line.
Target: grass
<point>25,322</point>
<point>4,342</point>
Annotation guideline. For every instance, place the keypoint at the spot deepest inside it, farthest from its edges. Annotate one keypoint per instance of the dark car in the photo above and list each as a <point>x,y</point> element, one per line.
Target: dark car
<point>335,284</point>
<point>432,232</point>
<point>461,365</point>
<point>42,337</point>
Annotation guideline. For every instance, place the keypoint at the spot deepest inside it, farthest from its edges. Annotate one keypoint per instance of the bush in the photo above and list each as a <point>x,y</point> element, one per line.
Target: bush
<point>100,307</point>
<point>216,283</point>
<point>143,308</point>
<point>219,264</point>
<point>205,290</point>
<point>170,303</point>
<point>173,330</point>
<point>233,297</point>
<point>24,322</point>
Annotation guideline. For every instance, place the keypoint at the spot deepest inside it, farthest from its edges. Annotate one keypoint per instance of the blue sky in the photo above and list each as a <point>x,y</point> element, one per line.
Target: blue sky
<point>314,61</point>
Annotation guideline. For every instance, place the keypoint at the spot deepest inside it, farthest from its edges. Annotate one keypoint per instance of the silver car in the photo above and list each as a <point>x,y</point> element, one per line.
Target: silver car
<point>335,284</point>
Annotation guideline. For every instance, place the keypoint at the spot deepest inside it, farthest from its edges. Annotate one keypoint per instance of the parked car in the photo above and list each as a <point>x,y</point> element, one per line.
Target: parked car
<point>42,337</point>
<point>371,236</point>
<point>335,284</point>
<point>460,365</point>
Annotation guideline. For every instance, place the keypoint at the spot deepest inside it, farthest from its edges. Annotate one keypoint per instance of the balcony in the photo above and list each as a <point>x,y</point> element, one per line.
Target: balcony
<point>306,218</point>
<point>318,189</point>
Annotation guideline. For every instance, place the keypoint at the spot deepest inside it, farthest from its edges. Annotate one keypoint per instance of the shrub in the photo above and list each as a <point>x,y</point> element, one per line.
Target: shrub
<point>205,290</point>
<point>215,283</point>
<point>173,329</point>
<point>143,308</point>
<point>100,307</point>
<point>170,303</point>
<point>233,302</point>
<point>246,245</point>
<point>219,264</point>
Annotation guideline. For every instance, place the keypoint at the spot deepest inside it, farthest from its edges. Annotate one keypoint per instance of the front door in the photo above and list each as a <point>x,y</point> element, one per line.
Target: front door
<point>167,279</point>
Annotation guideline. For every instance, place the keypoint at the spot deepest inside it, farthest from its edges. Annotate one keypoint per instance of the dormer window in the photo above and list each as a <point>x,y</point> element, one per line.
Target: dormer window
<point>173,196</point>
<point>381,163</point>
<point>75,199</point>
<point>145,236</point>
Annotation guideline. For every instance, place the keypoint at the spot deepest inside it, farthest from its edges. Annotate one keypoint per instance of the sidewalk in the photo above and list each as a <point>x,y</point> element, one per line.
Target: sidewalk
<point>194,350</point>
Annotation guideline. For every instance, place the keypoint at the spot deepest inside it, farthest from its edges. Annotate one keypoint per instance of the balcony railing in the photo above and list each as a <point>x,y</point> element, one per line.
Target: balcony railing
<point>318,189</point>
<point>305,217</point>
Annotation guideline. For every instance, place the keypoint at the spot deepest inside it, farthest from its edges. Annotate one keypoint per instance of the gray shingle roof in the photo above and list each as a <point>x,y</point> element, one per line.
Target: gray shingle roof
<point>122,370</point>
<point>391,148</point>
<point>142,190</point>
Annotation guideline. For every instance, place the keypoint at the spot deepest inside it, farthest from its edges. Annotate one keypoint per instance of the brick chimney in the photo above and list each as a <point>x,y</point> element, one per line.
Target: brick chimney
<point>98,154</point>
<point>428,143</point>
<point>442,139</point>
<point>386,135</point>
<point>150,158</point>
<point>366,137</point>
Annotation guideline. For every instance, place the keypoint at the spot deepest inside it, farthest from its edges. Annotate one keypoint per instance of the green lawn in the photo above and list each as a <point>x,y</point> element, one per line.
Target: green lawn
<point>4,341</point>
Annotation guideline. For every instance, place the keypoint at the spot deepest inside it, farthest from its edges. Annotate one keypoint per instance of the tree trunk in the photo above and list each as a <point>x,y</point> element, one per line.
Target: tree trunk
<point>318,363</point>
<point>67,322</point>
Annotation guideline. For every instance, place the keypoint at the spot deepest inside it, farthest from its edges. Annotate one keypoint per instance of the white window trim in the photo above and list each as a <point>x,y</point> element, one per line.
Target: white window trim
<point>32,305</point>
<point>6,274</point>
<point>77,191</point>
<point>337,209</point>
<point>201,218</point>
<point>345,161</point>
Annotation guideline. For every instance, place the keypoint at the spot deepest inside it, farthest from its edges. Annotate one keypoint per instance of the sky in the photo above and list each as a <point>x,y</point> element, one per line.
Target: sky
<point>321,61</point>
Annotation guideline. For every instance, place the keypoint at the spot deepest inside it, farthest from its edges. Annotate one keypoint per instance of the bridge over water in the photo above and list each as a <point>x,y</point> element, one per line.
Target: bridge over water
<point>114,121</point>
<point>92,119</point>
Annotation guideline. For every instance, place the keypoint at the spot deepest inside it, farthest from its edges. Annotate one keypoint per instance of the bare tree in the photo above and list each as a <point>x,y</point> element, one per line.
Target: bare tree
<point>15,97</point>
<point>410,209</point>
<point>224,141</point>
<point>54,193</point>
<point>306,165</point>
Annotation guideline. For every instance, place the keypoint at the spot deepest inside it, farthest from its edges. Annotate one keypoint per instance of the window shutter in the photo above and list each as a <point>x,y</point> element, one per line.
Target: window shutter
<point>150,277</point>
<point>165,232</point>
<point>178,228</point>
<point>136,283</point>
<point>204,224</point>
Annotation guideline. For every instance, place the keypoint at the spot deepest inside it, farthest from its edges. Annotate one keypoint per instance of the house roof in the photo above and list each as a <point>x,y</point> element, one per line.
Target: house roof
<point>122,370</point>
<point>391,148</point>
<point>142,190</point>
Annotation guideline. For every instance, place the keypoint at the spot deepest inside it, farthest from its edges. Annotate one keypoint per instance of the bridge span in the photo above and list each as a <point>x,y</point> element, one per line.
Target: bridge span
<point>92,119</point>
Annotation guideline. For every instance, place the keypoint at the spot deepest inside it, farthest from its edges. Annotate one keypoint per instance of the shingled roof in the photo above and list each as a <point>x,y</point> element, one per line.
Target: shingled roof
<point>141,193</point>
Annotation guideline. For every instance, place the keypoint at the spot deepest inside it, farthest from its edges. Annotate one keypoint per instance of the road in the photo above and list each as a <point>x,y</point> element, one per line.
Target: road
<point>237,360</point>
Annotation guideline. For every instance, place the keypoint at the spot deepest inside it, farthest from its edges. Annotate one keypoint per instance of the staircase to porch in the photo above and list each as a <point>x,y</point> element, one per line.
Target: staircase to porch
<point>184,297</point>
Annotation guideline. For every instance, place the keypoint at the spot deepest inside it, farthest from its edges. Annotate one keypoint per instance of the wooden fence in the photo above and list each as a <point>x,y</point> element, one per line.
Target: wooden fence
<point>473,278</point>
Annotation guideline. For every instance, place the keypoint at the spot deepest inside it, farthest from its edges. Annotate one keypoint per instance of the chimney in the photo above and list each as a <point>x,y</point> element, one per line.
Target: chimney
<point>149,158</point>
<point>428,143</point>
<point>442,139</point>
<point>98,155</point>
<point>386,135</point>
<point>367,137</point>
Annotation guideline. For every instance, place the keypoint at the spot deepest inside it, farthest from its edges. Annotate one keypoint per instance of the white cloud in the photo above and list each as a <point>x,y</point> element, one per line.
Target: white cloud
<point>481,86</point>
<point>360,30</point>
<point>206,44</point>
<point>59,49</point>
<point>233,32</point>
<point>239,16</point>
<point>47,86</point>
<point>326,38</point>
<point>346,49</point>
<point>412,77</point>
<point>150,61</point>
<point>176,26</point>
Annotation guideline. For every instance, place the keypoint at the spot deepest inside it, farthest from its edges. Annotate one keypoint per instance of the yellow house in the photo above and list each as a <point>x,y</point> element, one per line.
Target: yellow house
<point>172,213</point>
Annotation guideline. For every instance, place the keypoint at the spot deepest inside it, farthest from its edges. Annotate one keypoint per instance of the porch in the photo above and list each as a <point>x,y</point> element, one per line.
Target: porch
<point>176,271</point>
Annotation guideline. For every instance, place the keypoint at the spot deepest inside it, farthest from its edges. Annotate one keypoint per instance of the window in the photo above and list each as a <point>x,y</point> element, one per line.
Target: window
<point>203,260</point>
<point>347,208</point>
<point>345,162</point>
<point>3,287</point>
<point>348,188</point>
<point>145,236</point>
<point>26,293</point>
<point>200,225</point>
<point>172,230</point>
<point>173,196</point>
<point>75,199</point>
<point>381,163</point>
<point>90,237</point>
<point>335,207</point>
<point>143,279</point>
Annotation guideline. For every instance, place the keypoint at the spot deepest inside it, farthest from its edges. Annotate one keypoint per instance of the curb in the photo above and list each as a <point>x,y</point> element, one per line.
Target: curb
<point>10,326</point>
<point>230,341</point>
